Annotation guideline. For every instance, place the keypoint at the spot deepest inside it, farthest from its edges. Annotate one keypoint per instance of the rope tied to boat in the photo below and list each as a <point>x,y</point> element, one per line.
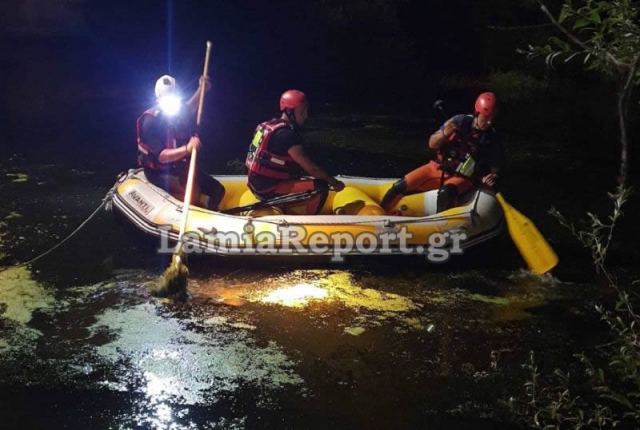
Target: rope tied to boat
<point>384,221</point>
<point>105,203</point>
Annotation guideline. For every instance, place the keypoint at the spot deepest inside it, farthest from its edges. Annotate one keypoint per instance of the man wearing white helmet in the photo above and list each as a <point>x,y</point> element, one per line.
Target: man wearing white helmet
<point>166,137</point>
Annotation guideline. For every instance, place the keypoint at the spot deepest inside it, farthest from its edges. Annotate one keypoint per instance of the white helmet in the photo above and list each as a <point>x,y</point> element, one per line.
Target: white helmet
<point>165,85</point>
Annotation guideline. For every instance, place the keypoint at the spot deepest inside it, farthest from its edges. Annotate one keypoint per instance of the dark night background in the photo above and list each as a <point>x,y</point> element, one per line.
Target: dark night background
<point>82,71</point>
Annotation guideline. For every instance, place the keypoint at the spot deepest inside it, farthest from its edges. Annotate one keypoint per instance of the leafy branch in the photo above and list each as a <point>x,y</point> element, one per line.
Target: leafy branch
<point>606,34</point>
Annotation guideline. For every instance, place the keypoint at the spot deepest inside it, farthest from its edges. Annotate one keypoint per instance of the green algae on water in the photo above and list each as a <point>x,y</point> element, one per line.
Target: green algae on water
<point>336,287</point>
<point>21,295</point>
<point>354,331</point>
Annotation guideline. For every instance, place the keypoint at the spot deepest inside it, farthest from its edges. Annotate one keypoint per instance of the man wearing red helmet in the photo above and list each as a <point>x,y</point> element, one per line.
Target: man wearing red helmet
<point>468,153</point>
<point>276,159</point>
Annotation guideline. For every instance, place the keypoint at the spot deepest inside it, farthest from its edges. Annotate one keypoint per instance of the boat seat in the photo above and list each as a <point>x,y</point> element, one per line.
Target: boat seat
<point>352,201</point>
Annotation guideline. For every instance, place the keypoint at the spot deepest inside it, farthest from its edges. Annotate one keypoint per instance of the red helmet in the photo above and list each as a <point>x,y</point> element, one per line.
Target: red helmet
<point>291,99</point>
<point>486,104</point>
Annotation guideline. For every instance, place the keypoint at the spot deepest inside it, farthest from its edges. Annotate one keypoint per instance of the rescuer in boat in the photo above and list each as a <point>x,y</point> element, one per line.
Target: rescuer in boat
<point>468,154</point>
<point>277,161</point>
<point>166,137</point>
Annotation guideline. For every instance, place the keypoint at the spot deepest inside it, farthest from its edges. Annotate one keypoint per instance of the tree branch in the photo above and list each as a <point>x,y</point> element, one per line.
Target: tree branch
<point>623,97</point>
<point>574,39</point>
<point>630,76</point>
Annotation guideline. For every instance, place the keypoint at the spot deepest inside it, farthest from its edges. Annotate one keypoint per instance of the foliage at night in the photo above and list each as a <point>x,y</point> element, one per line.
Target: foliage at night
<point>605,35</point>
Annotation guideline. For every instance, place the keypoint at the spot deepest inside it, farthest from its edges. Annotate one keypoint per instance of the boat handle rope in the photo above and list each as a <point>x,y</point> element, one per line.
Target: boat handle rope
<point>385,221</point>
<point>105,202</point>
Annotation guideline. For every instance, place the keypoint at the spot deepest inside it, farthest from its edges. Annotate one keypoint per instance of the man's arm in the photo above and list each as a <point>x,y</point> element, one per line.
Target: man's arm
<point>443,134</point>
<point>169,155</point>
<point>312,169</point>
<point>154,136</point>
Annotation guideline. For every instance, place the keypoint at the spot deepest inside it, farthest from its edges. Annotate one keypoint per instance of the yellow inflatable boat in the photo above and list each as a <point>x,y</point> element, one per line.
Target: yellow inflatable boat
<point>351,221</point>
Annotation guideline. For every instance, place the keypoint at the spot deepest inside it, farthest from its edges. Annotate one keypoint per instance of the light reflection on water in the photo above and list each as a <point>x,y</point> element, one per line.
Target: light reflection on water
<point>180,358</point>
<point>182,364</point>
<point>297,295</point>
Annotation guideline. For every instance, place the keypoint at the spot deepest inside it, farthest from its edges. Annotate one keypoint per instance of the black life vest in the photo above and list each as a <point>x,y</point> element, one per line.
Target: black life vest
<point>262,161</point>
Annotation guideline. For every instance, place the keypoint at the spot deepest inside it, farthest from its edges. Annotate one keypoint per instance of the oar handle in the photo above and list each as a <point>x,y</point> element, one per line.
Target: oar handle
<point>280,200</point>
<point>187,193</point>
<point>205,72</point>
<point>194,153</point>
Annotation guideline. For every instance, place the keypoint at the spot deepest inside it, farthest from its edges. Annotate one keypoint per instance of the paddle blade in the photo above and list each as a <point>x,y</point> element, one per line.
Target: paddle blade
<point>173,282</point>
<point>533,247</point>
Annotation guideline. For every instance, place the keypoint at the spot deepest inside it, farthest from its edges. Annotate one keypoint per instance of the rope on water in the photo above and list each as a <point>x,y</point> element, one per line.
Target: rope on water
<point>105,201</point>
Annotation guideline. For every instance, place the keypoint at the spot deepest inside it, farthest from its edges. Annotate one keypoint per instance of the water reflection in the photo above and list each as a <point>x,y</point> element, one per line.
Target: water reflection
<point>295,296</point>
<point>187,361</point>
<point>293,334</point>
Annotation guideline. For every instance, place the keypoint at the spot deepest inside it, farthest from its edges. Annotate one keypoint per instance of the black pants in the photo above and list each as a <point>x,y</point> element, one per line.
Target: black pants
<point>176,182</point>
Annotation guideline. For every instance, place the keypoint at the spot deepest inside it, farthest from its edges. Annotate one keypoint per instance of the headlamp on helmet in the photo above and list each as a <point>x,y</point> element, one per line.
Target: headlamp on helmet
<point>170,104</point>
<point>167,95</point>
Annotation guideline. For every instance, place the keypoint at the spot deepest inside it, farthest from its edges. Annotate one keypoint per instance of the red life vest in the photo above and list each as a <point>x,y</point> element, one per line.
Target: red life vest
<point>262,161</point>
<point>460,154</point>
<point>147,158</point>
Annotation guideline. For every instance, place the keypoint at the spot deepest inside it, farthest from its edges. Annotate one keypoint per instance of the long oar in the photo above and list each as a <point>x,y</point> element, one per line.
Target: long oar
<point>174,279</point>
<point>533,247</point>
<point>276,201</point>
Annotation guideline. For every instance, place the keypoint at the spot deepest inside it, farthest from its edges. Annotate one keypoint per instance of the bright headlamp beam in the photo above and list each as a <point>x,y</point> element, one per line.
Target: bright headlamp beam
<point>170,104</point>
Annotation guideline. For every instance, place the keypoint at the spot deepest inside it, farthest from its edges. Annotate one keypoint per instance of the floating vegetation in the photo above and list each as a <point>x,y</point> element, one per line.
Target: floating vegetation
<point>416,323</point>
<point>19,340</point>
<point>18,177</point>
<point>3,234</point>
<point>295,296</point>
<point>334,287</point>
<point>354,331</point>
<point>176,362</point>
<point>21,295</point>
<point>320,293</point>
<point>492,300</point>
<point>223,321</point>
<point>13,215</point>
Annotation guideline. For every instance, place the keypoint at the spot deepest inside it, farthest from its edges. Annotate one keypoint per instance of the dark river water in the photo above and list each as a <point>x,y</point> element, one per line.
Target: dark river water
<point>371,343</point>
